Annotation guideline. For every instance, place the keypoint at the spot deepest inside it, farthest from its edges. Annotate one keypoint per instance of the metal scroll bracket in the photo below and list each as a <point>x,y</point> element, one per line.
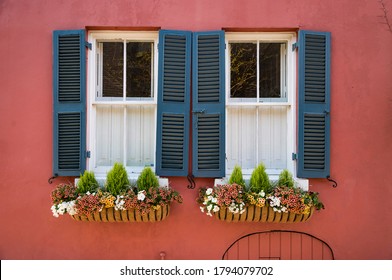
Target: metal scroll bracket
<point>191,180</point>
<point>334,183</point>
<point>50,180</point>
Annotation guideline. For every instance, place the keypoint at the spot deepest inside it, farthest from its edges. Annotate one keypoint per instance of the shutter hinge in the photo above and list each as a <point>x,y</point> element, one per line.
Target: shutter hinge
<point>294,156</point>
<point>88,45</point>
<point>88,154</point>
<point>294,46</point>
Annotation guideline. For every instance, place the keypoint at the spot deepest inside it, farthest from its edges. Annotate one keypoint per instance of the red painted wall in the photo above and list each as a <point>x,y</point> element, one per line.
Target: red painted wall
<point>357,222</point>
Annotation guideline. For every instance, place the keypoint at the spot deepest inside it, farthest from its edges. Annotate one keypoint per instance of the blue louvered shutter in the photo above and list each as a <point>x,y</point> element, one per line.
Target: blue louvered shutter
<point>69,95</point>
<point>208,112</point>
<point>173,103</point>
<point>314,105</point>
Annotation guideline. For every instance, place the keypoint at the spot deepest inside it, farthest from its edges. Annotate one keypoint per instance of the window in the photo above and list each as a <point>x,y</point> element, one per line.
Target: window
<point>259,101</point>
<point>122,100</point>
<point>245,108</point>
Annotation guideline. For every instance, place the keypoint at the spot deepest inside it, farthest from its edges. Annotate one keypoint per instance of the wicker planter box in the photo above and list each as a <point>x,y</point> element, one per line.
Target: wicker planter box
<point>112,215</point>
<point>262,214</point>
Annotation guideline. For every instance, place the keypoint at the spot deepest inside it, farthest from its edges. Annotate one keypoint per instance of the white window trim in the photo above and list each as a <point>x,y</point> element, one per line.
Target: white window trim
<point>291,77</point>
<point>94,37</point>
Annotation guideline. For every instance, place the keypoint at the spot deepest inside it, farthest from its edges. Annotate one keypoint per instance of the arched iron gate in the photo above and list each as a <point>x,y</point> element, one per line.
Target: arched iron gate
<point>279,245</point>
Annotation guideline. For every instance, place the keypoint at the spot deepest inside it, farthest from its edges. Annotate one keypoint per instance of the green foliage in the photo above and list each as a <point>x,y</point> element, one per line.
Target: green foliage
<point>147,180</point>
<point>286,179</point>
<point>312,198</point>
<point>117,180</point>
<point>236,176</point>
<point>259,180</point>
<point>87,183</point>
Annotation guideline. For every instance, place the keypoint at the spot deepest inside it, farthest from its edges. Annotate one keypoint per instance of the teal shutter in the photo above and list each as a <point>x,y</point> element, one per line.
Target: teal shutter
<point>314,105</point>
<point>173,103</point>
<point>208,112</point>
<point>69,95</point>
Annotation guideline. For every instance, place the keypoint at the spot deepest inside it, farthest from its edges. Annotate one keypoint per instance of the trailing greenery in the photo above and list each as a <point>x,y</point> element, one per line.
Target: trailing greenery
<point>87,183</point>
<point>259,180</point>
<point>147,180</point>
<point>117,180</point>
<point>286,179</point>
<point>236,176</point>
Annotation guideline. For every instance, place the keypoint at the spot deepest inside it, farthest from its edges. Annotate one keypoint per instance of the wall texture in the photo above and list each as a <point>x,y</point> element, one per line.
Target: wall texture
<point>356,223</point>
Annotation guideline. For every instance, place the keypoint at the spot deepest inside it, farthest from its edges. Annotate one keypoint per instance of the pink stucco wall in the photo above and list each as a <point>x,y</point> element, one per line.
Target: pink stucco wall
<point>357,221</point>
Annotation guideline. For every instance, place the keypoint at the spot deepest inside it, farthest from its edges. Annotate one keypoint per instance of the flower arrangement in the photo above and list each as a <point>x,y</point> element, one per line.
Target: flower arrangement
<point>281,196</point>
<point>87,198</point>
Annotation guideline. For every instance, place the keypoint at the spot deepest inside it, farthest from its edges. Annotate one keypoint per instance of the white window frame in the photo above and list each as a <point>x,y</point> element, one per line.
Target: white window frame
<point>290,99</point>
<point>94,38</point>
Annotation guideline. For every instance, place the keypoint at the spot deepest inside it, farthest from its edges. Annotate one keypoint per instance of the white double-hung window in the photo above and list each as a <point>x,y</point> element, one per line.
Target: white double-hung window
<point>122,103</point>
<point>260,95</point>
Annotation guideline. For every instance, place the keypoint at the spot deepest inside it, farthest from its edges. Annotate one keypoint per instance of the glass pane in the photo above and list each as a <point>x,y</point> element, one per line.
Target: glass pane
<point>243,70</point>
<point>109,137</point>
<point>139,56</point>
<point>272,138</point>
<point>112,69</point>
<point>140,135</point>
<point>241,137</point>
<point>270,70</point>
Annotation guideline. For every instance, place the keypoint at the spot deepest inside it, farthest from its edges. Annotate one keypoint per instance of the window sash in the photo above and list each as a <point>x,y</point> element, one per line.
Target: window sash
<point>283,69</point>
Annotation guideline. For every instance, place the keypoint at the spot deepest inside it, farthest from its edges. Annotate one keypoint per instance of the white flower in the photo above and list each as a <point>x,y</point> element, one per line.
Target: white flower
<point>209,191</point>
<point>216,208</point>
<point>202,209</point>
<point>209,214</point>
<point>274,201</point>
<point>54,211</point>
<point>119,203</point>
<point>71,209</point>
<point>262,193</point>
<point>214,200</point>
<point>141,196</point>
<point>209,208</point>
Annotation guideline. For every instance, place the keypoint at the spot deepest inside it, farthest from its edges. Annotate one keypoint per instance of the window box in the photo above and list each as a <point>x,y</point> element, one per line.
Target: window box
<point>113,215</point>
<point>264,214</point>
<point>118,200</point>
<point>261,200</point>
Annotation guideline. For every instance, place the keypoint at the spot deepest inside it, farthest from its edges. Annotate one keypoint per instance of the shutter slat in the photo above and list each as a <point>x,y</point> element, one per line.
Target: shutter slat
<point>69,102</point>
<point>314,103</point>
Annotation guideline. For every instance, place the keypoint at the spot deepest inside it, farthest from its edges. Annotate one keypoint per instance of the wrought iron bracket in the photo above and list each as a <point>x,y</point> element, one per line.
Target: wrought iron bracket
<point>334,183</point>
<point>50,180</point>
<point>191,180</point>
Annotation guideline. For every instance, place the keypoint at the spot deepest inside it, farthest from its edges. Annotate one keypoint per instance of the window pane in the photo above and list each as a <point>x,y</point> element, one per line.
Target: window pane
<point>112,69</point>
<point>243,70</point>
<point>270,70</point>
<point>109,137</point>
<point>140,135</point>
<point>241,137</point>
<point>272,136</point>
<point>139,56</point>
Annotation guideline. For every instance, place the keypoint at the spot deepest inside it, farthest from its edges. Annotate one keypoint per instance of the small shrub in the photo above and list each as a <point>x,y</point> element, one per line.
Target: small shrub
<point>117,180</point>
<point>147,180</point>
<point>87,183</point>
<point>259,180</point>
<point>236,176</point>
<point>286,179</point>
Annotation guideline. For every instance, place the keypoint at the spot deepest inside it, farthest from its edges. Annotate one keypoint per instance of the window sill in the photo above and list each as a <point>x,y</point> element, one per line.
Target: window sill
<point>163,182</point>
<point>301,183</point>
